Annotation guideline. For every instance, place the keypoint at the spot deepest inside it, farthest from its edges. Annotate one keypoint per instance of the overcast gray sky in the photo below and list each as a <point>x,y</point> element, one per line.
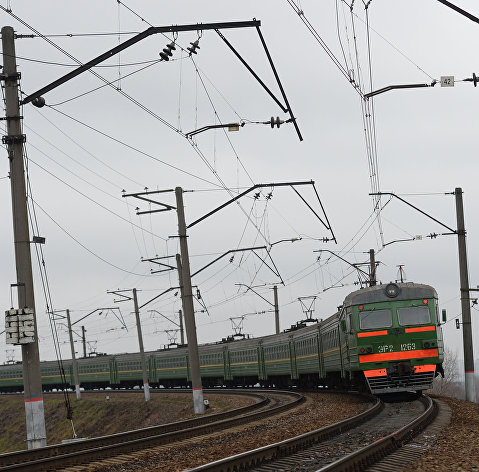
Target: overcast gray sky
<point>426,142</point>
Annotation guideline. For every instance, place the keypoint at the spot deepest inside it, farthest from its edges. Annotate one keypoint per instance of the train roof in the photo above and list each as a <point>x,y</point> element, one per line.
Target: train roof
<point>377,293</point>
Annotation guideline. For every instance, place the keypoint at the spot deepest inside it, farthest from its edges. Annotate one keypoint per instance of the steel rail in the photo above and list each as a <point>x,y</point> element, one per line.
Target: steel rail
<point>65,455</point>
<point>368,455</point>
<point>256,457</point>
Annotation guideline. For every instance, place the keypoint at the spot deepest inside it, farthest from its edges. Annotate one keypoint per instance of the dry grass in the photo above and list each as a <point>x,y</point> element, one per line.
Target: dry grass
<point>95,416</point>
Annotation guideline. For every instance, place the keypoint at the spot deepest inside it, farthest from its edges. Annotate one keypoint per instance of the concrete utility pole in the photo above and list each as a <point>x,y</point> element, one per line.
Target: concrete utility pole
<point>74,361</point>
<point>372,268</point>
<point>146,386</point>
<point>276,309</point>
<point>465,300</point>
<point>83,340</point>
<point>188,308</point>
<point>182,331</point>
<point>34,409</point>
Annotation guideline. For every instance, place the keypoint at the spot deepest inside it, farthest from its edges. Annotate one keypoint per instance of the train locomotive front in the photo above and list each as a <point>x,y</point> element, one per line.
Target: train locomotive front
<point>395,337</point>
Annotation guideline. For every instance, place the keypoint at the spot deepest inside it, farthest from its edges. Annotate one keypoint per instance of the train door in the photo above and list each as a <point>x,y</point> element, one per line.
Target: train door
<point>292,358</point>
<point>152,372</point>
<point>227,364</point>
<point>319,339</point>
<point>114,377</point>
<point>261,366</point>
<point>339,338</point>
<point>347,348</point>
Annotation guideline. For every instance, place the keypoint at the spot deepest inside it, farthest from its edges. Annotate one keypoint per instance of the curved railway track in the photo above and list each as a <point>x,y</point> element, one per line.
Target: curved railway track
<point>359,441</point>
<point>61,456</point>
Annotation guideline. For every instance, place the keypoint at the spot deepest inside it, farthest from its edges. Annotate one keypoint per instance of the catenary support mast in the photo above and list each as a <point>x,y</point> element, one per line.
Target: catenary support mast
<point>146,386</point>
<point>188,308</point>
<point>34,410</point>
<point>372,268</point>
<point>276,309</point>
<point>74,360</point>
<point>465,300</point>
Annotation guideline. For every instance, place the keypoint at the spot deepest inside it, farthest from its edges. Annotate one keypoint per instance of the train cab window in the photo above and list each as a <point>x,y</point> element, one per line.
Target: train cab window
<point>375,319</point>
<point>414,315</point>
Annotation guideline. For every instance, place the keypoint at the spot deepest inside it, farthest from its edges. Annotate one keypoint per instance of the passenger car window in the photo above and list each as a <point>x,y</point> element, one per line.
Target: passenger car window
<point>414,315</point>
<point>375,319</point>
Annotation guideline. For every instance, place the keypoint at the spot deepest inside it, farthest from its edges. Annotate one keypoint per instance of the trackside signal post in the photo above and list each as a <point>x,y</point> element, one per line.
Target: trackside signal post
<point>34,410</point>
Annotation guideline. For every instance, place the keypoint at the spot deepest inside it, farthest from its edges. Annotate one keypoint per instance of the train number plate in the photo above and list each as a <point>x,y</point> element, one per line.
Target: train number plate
<point>386,348</point>
<point>408,347</point>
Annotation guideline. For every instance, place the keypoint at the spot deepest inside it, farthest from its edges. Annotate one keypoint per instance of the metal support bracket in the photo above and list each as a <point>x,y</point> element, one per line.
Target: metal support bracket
<point>20,138</point>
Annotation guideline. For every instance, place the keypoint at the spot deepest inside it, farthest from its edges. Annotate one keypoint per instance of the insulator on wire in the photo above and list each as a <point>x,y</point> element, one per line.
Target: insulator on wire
<point>194,47</point>
<point>276,122</point>
<point>166,53</point>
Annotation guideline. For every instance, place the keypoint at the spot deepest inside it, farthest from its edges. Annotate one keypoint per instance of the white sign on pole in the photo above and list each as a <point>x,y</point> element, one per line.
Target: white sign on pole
<point>447,81</point>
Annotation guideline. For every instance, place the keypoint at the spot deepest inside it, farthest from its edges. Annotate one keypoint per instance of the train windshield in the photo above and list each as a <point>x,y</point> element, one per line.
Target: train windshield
<point>414,315</point>
<point>375,319</point>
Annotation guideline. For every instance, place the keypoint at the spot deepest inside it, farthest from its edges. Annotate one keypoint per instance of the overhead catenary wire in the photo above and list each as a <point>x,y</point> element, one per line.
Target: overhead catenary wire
<point>122,92</point>
<point>399,51</point>
<point>133,148</point>
<point>84,180</point>
<point>83,148</point>
<point>217,116</point>
<point>64,64</point>
<point>84,246</point>
<point>107,84</point>
<point>323,44</point>
<point>87,197</point>
<point>129,97</point>
<point>260,227</point>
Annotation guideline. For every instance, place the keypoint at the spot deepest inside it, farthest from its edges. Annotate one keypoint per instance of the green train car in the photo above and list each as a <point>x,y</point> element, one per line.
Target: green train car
<point>385,339</point>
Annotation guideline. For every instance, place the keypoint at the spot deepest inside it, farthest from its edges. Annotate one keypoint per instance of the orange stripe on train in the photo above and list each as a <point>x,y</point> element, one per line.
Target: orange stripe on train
<point>422,328</point>
<point>398,355</point>
<point>372,333</point>
<point>375,373</point>
<point>424,368</point>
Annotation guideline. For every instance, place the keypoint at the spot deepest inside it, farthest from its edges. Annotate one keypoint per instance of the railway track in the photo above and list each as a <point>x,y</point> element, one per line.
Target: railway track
<point>61,456</point>
<point>350,445</point>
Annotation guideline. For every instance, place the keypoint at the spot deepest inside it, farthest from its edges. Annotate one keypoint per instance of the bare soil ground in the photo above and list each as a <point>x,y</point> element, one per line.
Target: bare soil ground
<point>95,415</point>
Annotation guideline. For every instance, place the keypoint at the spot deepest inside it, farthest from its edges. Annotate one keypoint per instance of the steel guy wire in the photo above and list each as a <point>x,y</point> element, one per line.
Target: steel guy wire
<point>45,284</point>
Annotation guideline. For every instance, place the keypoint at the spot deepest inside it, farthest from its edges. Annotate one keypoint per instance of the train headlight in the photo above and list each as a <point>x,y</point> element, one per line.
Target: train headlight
<point>392,290</point>
<point>429,343</point>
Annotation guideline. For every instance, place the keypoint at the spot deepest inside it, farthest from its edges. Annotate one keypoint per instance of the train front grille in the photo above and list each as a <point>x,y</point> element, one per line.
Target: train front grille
<point>396,383</point>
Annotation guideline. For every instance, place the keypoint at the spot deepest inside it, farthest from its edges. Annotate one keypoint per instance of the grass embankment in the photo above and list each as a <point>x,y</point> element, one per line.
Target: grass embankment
<point>95,415</point>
